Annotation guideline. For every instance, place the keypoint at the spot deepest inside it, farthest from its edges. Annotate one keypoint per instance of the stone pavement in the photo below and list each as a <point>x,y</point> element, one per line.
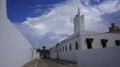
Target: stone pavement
<point>49,63</point>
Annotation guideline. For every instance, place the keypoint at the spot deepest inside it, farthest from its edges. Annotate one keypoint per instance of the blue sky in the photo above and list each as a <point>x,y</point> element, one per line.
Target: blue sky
<point>46,22</point>
<point>19,10</point>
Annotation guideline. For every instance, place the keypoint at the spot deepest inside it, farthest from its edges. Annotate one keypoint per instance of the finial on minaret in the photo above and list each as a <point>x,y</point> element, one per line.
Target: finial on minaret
<point>78,9</point>
<point>78,13</point>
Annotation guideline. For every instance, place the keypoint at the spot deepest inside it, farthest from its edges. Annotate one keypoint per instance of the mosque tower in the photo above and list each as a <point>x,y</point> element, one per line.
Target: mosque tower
<point>78,22</point>
<point>15,50</point>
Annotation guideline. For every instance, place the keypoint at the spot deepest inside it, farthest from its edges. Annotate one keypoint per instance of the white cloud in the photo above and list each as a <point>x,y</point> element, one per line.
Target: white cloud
<point>60,20</point>
<point>109,6</point>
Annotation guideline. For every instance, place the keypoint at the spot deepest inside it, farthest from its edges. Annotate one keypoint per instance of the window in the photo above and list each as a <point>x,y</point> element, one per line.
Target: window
<point>60,49</point>
<point>63,48</point>
<point>117,42</point>
<point>66,48</point>
<point>104,42</point>
<point>76,45</point>
<point>70,47</point>
<point>89,43</point>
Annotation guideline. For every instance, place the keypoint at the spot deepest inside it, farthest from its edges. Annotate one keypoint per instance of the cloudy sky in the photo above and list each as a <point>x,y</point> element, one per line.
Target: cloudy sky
<point>46,22</point>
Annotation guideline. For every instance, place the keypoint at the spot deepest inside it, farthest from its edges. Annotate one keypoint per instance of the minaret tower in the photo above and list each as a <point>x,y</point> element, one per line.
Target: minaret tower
<point>3,13</point>
<point>78,22</point>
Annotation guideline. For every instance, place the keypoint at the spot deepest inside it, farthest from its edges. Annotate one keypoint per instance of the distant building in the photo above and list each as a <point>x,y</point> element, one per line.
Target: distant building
<point>114,28</point>
<point>44,54</point>
<point>68,48</point>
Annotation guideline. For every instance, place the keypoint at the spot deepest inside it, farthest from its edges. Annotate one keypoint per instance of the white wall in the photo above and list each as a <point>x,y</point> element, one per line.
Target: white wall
<point>15,50</point>
<point>34,54</point>
<point>2,9</point>
<point>53,53</point>
<point>102,57</point>
<point>97,39</point>
<point>68,55</point>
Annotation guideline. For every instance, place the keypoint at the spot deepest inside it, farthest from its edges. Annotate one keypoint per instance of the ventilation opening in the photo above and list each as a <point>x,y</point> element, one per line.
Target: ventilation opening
<point>89,43</point>
<point>104,42</point>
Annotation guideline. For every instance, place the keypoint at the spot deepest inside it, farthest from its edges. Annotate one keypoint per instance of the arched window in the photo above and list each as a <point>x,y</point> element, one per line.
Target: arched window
<point>60,49</point>
<point>63,48</point>
<point>70,47</point>
<point>76,45</point>
<point>66,48</point>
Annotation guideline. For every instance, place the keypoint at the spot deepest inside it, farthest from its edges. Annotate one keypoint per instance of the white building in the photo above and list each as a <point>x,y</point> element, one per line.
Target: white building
<point>15,50</point>
<point>71,48</point>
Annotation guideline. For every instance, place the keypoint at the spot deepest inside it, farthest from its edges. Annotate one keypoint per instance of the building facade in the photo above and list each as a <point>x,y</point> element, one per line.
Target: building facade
<point>69,48</point>
<point>114,28</point>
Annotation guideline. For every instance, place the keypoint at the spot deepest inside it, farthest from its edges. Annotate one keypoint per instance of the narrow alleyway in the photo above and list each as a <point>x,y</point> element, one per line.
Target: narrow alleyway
<point>49,63</point>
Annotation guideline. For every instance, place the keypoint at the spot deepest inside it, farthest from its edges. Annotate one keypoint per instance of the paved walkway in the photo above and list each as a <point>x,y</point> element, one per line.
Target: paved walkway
<point>48,63</point>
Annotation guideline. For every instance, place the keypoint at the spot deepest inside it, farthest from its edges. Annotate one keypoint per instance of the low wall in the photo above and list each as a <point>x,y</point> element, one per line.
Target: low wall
<point>53,55</point>
<point>69,56</point>
<point>102,57</point>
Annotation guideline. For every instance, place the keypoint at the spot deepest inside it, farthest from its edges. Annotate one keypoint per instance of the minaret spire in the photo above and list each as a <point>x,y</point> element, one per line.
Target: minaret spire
<point>78,9</point>
<point>78,13</point>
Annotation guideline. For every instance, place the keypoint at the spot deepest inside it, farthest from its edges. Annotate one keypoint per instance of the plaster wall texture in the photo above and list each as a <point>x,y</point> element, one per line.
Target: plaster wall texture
<point>15,50</point>
<point>102,57</point>
<point>97,39</point>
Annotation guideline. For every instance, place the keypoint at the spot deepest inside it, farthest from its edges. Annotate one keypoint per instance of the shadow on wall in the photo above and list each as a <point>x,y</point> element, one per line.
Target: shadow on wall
<point>102,57</point>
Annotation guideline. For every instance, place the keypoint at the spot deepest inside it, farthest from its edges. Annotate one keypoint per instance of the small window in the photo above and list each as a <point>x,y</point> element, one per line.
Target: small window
<point>117,42</point>
<point>63,48</point>
<point>70,47</point>
<point>104,42</point>
<point>89,43</point>
<point>66,48</point>
<point>76,45</point>
<point>60,49</point>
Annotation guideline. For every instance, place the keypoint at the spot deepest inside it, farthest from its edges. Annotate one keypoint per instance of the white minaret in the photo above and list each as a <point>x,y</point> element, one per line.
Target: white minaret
<point>78,22</point>
<point>15,50</point>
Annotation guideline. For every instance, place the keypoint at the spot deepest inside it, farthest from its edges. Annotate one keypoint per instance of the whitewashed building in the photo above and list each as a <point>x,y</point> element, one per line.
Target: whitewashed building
<point>73,47</point>
<point>15,50</point>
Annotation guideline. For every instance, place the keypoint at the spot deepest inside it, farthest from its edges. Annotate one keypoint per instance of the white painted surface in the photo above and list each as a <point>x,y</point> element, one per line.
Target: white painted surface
<point>97,39</point>
<point>78,23</point>
<point>80,36</point>
<point>34,54</point>
<point>15,50</point>
<point>102,57</point>
<point>53,53</point>
<point>2,9</point>
<point>69,55</point>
